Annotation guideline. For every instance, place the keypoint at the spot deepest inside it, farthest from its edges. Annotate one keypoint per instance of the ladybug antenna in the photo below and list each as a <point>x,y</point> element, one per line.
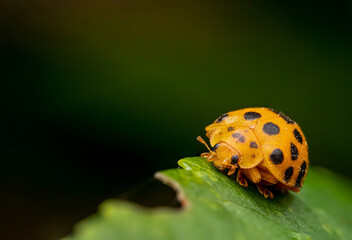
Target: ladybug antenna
<point>200,139</point>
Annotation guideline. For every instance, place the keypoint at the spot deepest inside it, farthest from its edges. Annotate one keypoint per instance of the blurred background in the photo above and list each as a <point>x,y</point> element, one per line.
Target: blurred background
<point>96,96</point>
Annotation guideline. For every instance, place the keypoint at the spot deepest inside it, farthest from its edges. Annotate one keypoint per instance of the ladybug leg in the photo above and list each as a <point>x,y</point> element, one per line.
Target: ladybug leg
<point>232,168</point>
<point>252,174</point>
<point>220,164</point>
<point>266,193</point>
<point>267,177</point>
<point>209,156</point>
<point>241,179</point>
<point>284,189</point>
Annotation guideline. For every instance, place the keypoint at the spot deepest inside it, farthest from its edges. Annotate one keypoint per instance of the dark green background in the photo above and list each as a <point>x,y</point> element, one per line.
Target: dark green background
<point>98,95</point>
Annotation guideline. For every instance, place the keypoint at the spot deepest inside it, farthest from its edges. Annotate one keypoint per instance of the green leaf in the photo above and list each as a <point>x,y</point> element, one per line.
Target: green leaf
<point>216,207</point>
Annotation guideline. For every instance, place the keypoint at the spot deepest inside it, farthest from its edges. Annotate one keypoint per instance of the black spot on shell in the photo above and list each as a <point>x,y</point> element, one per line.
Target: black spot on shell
<point>253,145</point>
<point>294,152</point>
<point>281,114</point>
<point>271,128</point>
<point>274,111</point>
<point>298,135</point>
<point>253,155</point>
<point>286,118</point>
<point>236,135</point>
<point>229,129</point>
<point>252,115</point>
<point>234,159</point>
<point>222,117</point>
<point>288,174</point>
<point>239,136</point>
<point>216,146</point>
<point>277,156</point>
<point>301,174</point>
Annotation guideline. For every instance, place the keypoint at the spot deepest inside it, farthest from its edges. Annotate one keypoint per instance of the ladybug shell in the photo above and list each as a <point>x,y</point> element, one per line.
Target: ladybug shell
<point>281,142</point>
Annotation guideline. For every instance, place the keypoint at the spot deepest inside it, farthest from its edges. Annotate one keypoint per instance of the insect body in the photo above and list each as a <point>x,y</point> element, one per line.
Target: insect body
<point>265,146</point>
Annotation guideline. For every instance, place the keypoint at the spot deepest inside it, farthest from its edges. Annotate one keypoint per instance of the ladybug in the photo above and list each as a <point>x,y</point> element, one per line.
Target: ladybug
<point>261,145</point>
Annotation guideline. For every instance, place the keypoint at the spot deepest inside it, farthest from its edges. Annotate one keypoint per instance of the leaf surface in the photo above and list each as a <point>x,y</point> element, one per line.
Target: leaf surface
<point>216,207</point>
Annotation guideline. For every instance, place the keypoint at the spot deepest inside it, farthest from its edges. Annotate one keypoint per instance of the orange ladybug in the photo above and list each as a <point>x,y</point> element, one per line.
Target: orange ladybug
<point>263,145</point>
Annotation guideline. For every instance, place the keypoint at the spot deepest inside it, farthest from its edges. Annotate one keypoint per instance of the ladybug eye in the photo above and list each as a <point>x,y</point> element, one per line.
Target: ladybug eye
<point>216,146</point>
<point>234,159</point>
